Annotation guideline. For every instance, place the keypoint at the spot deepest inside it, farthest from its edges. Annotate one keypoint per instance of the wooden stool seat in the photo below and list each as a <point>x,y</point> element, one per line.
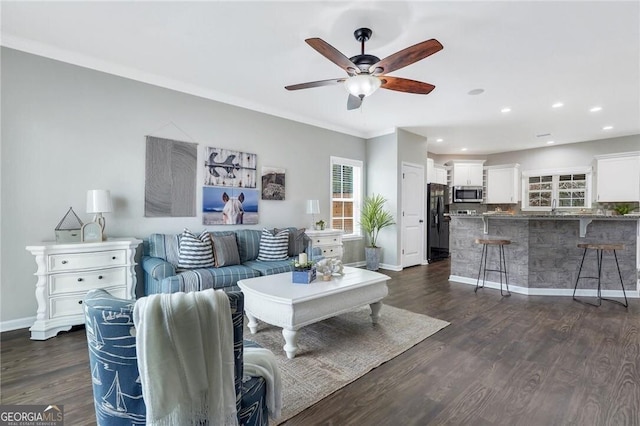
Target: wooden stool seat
<point>601,246</point>
<point>493,242</point>
<point>501,269</point>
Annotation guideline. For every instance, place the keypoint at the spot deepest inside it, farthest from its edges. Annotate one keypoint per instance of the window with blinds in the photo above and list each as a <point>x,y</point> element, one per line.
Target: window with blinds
<point>346,181</point>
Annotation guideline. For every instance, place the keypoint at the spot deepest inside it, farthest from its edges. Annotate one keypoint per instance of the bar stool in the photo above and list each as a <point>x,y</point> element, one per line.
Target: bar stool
<point>600,249</point>
<point>502,263</point>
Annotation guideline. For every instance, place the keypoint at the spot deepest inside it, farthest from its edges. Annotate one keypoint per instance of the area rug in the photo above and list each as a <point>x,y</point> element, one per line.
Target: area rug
<point>335,352</point>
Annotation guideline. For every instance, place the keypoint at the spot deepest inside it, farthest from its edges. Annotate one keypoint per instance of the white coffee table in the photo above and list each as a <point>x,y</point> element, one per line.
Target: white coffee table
<point>275,300</point>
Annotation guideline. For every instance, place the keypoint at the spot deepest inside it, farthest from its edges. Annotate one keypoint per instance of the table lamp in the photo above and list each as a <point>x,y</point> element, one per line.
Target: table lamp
<point>313,208</point>
<point>98,202</point>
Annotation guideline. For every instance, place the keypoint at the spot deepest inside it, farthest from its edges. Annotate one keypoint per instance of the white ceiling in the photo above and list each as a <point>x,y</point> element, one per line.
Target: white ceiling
<point>525,55</point>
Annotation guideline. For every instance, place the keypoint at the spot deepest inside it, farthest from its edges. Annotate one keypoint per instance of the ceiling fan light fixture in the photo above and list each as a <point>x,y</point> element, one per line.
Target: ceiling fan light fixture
<point>362,85</point>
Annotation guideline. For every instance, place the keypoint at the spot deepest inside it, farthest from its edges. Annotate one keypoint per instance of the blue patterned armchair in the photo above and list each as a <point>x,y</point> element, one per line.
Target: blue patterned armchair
<point>117,392</point>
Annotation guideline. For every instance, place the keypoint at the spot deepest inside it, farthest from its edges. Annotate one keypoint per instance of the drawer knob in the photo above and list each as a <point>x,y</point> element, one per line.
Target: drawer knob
<point>80,279</point>
<point>64,262</point>
<point>79,302</point>
<point>99,277</point>
<point>114,258</point>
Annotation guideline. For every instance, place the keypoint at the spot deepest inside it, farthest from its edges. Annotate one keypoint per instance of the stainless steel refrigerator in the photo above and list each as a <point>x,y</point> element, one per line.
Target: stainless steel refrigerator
<point>437,223</point>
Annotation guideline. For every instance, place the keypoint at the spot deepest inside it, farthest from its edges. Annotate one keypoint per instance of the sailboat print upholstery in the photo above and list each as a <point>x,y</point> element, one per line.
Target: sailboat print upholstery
<point>117,391</point>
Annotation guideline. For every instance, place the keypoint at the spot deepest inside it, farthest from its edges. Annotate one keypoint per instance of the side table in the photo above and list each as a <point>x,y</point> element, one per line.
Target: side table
<point>329,241</point>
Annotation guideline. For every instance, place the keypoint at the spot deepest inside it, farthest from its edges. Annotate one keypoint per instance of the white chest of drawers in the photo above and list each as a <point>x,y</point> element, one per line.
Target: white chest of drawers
<point>67,271</point>
<point>328,240</point>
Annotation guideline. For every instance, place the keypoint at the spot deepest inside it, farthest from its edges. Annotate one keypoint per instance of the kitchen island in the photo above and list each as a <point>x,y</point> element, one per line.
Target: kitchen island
<point>543,258</point>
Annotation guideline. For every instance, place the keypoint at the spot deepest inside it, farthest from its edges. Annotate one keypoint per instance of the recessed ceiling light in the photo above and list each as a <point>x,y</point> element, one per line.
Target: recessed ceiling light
<point>607,128</point>
<point>463,149</point>
<point>550,142</point>
<point>506,109</point>
<point>476,92</point>
<point>596,109</point>
<point>557,105</point>
<point>439,140</point>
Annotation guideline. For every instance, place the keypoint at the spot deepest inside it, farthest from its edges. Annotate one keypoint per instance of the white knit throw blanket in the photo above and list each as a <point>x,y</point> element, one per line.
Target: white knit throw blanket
<point>262,362</point>
<point>185,357</point>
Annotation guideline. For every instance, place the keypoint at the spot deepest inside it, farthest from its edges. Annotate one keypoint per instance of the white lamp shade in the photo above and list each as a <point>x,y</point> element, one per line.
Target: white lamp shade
<point>99,201</point>
<point>313,206</point>
<point>362,85</point>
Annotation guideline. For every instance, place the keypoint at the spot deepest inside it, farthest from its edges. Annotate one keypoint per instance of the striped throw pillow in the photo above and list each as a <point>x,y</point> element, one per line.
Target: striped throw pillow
<point>274,246</point>
<point>195,251</point>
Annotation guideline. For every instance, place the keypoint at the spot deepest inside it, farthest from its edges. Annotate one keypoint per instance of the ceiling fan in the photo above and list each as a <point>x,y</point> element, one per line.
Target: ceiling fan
<point>367,73</point>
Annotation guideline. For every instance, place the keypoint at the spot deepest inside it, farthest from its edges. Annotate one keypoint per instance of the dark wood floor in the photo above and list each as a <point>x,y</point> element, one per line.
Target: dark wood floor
<point>515,361</point>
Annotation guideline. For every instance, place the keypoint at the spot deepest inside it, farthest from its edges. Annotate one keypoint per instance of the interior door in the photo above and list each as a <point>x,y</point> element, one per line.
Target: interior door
<point>413,235</point>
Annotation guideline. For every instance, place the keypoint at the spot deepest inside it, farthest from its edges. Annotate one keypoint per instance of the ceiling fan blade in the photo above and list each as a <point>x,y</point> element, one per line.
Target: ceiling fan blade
<point>406,57</point>
<point>333,54</point>
<point>405,85</point>
<point>353,102</point>
<point>315,84</point>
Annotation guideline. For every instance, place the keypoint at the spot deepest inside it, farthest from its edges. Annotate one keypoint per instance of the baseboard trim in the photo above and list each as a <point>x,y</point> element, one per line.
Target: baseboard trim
<point>386,266</point>
<point>538,291</point>
<point>396,268</point>
<point>16,324</point>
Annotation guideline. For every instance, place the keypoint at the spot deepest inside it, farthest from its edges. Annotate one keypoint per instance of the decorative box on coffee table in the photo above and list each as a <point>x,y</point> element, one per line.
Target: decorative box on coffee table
<point>304,277</point>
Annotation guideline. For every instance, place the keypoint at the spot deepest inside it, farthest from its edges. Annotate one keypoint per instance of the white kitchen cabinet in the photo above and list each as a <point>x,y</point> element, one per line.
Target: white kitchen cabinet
<point>436,173</point>
<point>440,174</point>
<point>618,177</point>
<point>431,171</point>
<point>503,184</point>
<point>66,272</point>
<point>467,173</point>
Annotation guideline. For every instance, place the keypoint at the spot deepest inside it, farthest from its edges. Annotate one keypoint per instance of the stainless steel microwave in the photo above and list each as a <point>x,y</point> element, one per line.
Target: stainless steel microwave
<point>467,194</point>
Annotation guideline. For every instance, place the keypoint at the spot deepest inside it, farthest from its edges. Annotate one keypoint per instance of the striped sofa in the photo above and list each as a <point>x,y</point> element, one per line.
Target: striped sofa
<point>160,257</point>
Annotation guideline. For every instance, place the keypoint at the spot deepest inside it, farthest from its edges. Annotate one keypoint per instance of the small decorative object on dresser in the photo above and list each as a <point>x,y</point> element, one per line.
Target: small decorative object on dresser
<point>91,232</point>
<point>67,271</point>
<point>69,228</point>
<point>327,243</point>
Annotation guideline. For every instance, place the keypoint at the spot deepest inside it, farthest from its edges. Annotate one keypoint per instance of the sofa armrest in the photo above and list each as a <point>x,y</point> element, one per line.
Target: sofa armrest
<point>157,268</point>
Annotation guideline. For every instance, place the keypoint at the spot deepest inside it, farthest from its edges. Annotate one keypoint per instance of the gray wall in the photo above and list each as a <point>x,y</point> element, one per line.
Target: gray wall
<point>385,155</point>
<point>382,178</point>
<point>567,155</point>
<point>67,129</point>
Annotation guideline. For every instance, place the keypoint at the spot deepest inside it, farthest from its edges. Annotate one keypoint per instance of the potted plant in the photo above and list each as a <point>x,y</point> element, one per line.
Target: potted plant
<point>320,225</point>
<point>623,209</point>
<point>374,218</point>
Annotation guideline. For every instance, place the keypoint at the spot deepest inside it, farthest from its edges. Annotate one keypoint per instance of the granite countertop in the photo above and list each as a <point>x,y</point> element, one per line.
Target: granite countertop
<point>547,216</point>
